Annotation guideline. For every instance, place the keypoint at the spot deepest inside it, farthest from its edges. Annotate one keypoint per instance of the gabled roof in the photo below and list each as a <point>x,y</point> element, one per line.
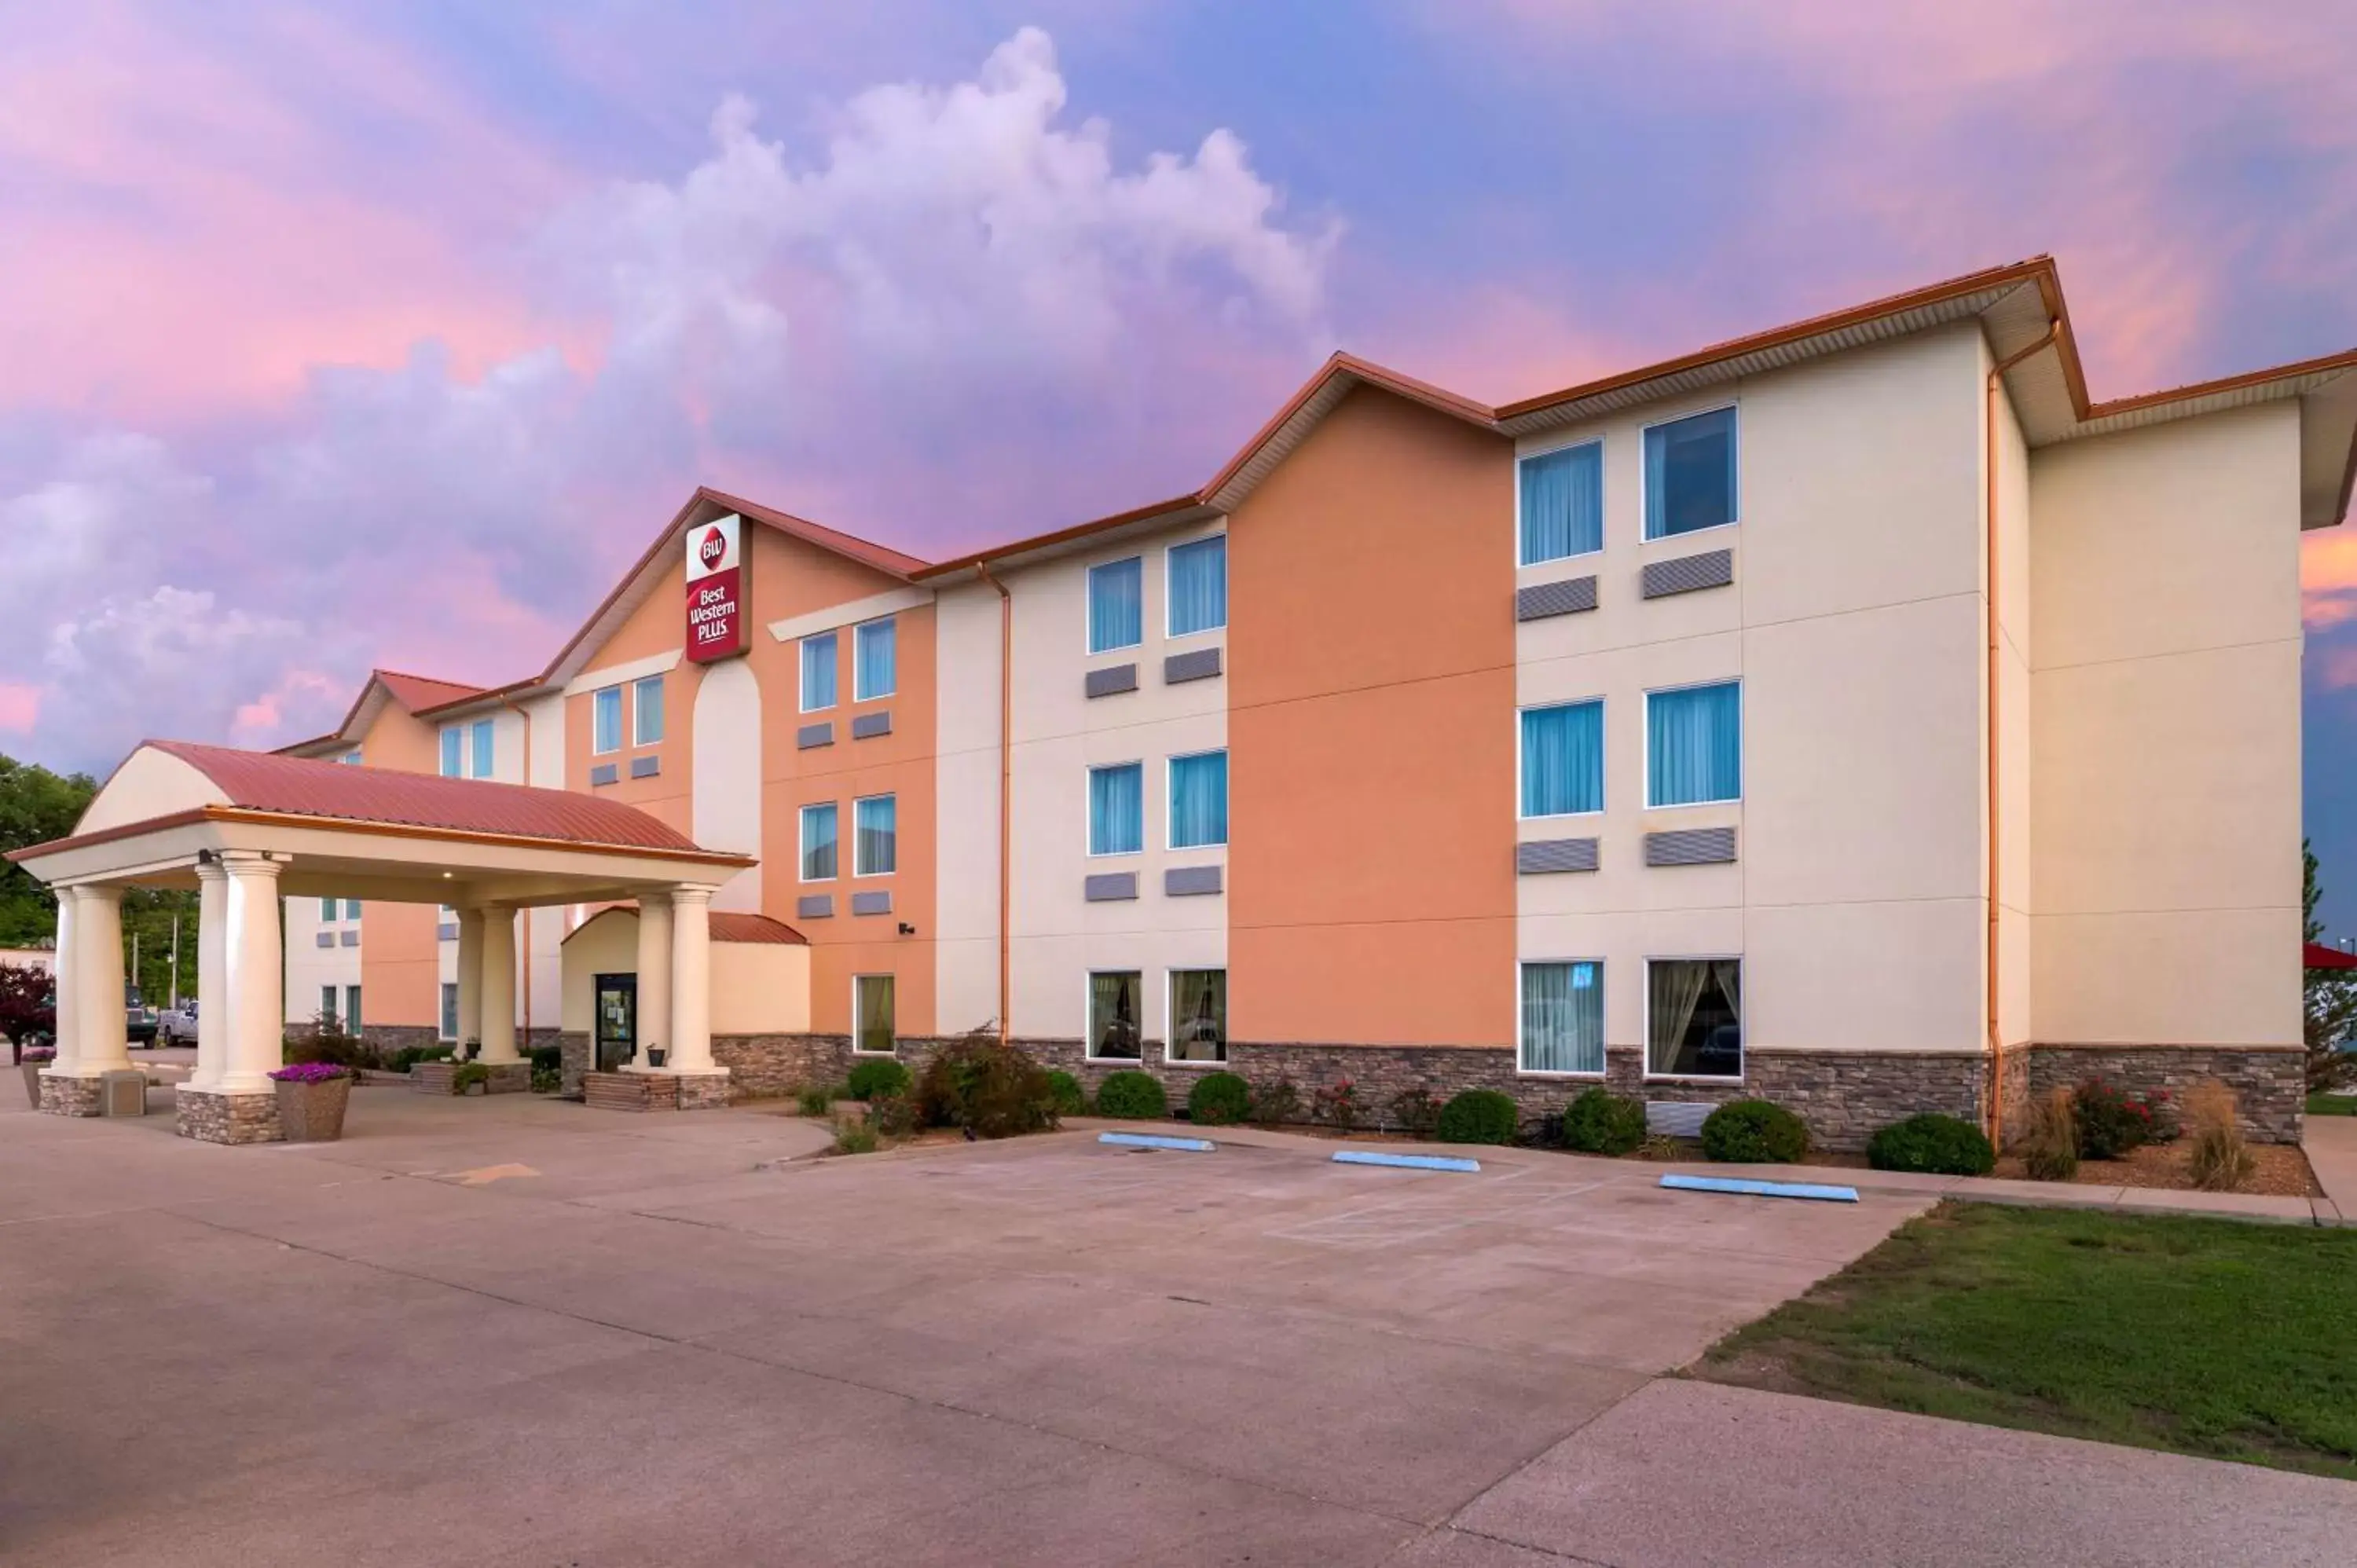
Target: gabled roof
<point>727,926</point>
<point>414,694</point>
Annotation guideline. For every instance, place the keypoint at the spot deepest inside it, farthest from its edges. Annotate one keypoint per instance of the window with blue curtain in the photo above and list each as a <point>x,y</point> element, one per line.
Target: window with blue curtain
<point>1694,744</point>
<point>479,743</point>
<point>1563,503</point>
<point>1563,759</point>
<point>874,653</point>
<point>1563,1018</point>
<point>453,755</point>
<point>1198,799</point>
<point>351,908</point>
<point>1116,604</point>
<point>646,712</point>
<point>818,842</point>
<point>818,672</point>
<point>606,719</point>
<point>1117,809</point>
<point>1199,585</point>
<point>876,847</point>
<point>1690,474</point>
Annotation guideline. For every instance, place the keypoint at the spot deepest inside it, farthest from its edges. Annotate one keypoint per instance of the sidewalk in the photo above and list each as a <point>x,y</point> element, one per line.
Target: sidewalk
<point>2331,1145</point>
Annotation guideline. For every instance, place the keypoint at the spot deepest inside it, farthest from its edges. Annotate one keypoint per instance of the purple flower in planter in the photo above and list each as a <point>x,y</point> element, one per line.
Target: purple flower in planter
<point>41,1053</point>
<point>309,1072</point>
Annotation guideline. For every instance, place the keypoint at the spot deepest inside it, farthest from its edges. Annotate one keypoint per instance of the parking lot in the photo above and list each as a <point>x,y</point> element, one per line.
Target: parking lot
<point>519,1331</point>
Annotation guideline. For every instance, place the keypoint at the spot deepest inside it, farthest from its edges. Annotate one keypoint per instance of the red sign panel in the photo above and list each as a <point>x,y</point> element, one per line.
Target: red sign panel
<point>717,625</point>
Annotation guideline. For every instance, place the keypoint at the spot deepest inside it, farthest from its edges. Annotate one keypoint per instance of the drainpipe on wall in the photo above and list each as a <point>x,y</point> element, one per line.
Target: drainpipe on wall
<point>1989,964</point>
<point>1006,786</point>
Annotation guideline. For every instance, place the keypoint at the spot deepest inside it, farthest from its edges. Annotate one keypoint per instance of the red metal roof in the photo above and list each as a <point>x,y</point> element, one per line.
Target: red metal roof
<point>415,692</point>
<point>741,928</point>
<point>299,786</point>
<point>2316,955</point>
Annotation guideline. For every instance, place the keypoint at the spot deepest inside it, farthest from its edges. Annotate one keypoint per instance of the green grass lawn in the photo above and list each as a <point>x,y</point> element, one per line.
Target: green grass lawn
<point>2332,1105</point>
<point>2207,1336</point>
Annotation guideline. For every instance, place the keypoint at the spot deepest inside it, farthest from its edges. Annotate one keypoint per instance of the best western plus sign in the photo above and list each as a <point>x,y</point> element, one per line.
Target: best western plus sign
<point>717,625</point>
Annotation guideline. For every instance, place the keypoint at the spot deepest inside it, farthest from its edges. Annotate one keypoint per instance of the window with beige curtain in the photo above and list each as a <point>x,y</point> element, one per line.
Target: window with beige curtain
<point>1694,1017</point>
<point>1199,1015</point>
<point>1114,1033</point>
<point>872,1029</point>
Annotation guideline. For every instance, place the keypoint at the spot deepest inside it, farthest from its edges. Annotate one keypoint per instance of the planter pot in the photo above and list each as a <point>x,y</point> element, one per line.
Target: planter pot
<point>655,1054</point>
<point>313,1112</point>
<point>32,1071</point>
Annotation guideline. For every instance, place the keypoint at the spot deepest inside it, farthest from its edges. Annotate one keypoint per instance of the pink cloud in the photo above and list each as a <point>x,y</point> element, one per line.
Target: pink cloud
<point>20,707</point>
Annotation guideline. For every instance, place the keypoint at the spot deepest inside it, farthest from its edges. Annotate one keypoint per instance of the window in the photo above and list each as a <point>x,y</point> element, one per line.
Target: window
<point>454,762</point>
<point>1563,759</point>
<point>876,847</point>
<point>1198,799</point>
<point>351,908</point>
<point>818,842</point>
<point>873,648</point>
<point>351,1009</point>
<point>818,672</point>
<point>1561,503</point>
<point>1199,1015</point>
<point>1694,744</point>
<point>871,1014</point>
<point>1563,1018</point>
<point>1694,1017</point>
<point>481,734</point>
<point>328,1005</point>
<point>1116,604</point>
<point>646,712</point>
<point>1690,474</point>
<point>606,720</point>
<point>327,908</point>
<point>449,1030</point>
<point>1199,585</point>
<point>350,758</point>
<point>1117,809</point>
<point>1113,1017</point>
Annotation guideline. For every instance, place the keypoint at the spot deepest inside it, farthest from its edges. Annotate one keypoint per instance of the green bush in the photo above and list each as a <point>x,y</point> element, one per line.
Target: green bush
<point>547,1058</point>
<point>991,1090</point>
<point>872,1076</point>
<point>1275,1104</point>
<point>410,1055</point>
<point>1416,1112</point>
<point>1479,1116</point>
<point>1133,1095</point>
<point>1218,1099</point>
<point>1933,1144</point>
<point>467,1077</point>
<point>1754,1132</point>
<point>547,1081</point>
<point>1602,1122</point>
<point>816,1098</point>
<point>2113,1123</point>
<point>892,1115</point>
<point>1071,1099</point>
<point>852,1135</point>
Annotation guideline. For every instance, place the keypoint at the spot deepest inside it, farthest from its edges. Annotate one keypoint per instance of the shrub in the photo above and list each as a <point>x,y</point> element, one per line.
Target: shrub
<point>2219,1161</point>
<point>326,1042</point>
<point>467,1077</point>
<point>1416,1112</point>
<point>547,1058</point>
<point>2050,1150</point>
<point>852,1135</point>
<point>872,1076</point>
<point>989,1090</point>
<point>892,1115</point>
<point>1479,1116</point>
<point>310,1072</point>
<point>815,1098</point>
<point>1602,1122</point>
<point>547,1079</point>
<point>1940,1145</point>
<point>1071,1099</point>
<point>1132,1094</point>
<point>1338,1104</point>
<point>2112,1121</point>
<point>1753,1132</point>
<point>409,1057</point>
<point>1218,1099</point>
<point>1274,1104</point>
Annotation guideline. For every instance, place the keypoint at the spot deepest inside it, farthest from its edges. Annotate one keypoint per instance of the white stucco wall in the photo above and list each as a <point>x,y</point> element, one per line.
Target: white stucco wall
<point>725,778</point>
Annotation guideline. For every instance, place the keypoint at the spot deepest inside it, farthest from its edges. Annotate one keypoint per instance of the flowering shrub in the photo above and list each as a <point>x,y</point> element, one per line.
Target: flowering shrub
<point>310,1072</point>
<point>41,1053</point>
<point>1338,1104</point>
<point>2112,1121</point>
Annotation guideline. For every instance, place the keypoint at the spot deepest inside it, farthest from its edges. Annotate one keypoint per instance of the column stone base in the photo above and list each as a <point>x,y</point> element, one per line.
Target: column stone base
<point>64,1095</point>
<point>704,1090</point>
<point>630,1090</point>
<point>211,1117</point>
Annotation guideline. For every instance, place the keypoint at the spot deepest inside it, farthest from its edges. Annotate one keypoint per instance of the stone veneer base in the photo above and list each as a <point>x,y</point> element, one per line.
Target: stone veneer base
<point>65,1096</point>
<point>634,1090</point>
<point>1846,1096</point>
<point>214,1118</point>
<point>507,1078</point>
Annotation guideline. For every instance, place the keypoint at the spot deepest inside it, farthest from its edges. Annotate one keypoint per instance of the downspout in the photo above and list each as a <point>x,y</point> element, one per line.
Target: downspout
<point>1006,787</point>
<point>1989,529</point>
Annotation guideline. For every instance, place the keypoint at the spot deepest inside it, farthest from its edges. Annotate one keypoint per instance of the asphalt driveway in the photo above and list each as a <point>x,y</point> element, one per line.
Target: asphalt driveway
<point>516,1331</point>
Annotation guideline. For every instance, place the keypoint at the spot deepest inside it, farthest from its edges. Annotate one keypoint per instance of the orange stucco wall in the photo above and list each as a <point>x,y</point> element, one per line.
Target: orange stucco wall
<point>657,626</point>
<point>1371,736</point>
<point>401,975</point>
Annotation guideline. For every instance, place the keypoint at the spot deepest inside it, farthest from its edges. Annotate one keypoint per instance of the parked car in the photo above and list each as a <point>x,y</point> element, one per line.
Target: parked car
<point>179,1024</point>
<point>139,1021</point>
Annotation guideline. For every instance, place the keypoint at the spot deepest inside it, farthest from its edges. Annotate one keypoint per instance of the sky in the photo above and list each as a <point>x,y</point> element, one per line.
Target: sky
<point>340,333</point>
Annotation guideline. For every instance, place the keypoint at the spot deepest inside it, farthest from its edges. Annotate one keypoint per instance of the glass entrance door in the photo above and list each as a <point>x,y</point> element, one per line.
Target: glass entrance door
<point>617,1020</point>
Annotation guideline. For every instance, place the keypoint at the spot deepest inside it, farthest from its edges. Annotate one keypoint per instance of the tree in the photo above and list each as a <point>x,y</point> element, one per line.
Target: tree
<point>2329,996</point>
<point>35,805</point>
<point>27,1008</point>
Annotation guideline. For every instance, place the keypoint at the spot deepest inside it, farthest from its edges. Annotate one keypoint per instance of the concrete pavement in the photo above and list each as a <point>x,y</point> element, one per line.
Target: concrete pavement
<point>2331,1145</point>
<point>508,1330</point>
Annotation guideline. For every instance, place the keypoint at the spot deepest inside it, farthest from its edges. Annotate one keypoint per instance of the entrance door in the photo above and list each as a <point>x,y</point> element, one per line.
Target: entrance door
<point>617,1020</point>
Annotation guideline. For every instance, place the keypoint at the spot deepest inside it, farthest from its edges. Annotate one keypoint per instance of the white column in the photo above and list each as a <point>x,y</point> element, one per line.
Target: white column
<point>690,980</point>
<point>102,1016</point>
<point>655,978</point>
<point>212,976</point>
<point>252,952</point>
<point>65,979</point>
<point>470,976</point>
<point>499,987</point>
